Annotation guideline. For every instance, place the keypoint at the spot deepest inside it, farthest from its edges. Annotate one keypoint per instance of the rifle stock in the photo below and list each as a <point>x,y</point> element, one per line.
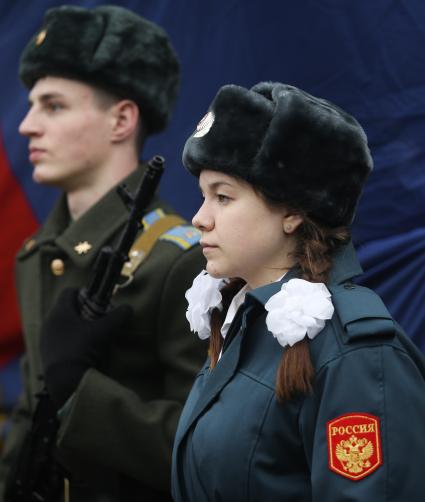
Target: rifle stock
<point>36,476</point>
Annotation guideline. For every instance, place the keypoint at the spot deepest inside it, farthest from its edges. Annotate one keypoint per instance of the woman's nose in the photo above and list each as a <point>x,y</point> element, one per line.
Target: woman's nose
<point>203,220</point>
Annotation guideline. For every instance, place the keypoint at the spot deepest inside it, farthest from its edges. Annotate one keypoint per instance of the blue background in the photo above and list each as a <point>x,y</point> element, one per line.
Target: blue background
<point>368,56</point>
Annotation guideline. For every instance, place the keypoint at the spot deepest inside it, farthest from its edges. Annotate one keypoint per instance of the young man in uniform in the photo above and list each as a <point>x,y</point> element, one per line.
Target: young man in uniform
<point>101,80</point>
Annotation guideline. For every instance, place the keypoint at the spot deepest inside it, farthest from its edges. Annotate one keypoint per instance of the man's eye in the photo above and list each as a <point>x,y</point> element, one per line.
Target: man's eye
<point>54,107</point>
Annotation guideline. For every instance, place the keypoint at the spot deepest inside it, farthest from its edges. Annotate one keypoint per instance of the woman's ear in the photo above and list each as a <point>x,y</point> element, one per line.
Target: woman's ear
<point>125,117</point>
<point>291,221</point>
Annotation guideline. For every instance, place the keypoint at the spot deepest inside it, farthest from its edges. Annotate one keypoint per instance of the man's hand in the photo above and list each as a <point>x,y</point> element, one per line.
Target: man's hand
<point>70,344</point>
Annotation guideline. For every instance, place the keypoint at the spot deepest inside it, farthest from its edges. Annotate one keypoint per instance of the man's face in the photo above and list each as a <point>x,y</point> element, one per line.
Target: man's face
<point>69,133</point>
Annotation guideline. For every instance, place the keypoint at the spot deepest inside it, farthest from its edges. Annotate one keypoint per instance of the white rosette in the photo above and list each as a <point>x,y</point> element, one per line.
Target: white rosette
<point>300,308</point>
<point>203,297</point>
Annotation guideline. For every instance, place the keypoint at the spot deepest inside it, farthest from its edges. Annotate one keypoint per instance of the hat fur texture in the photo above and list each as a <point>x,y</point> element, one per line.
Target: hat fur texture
<point>297,149</point>
<point>109,47</point>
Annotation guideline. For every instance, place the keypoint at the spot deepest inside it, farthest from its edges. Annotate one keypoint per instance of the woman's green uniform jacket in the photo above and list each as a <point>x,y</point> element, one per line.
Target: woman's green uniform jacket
<point>359,436</point>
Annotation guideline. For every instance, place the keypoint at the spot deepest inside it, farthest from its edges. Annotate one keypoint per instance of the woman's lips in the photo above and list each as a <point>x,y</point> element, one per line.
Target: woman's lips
<point>207,247</point>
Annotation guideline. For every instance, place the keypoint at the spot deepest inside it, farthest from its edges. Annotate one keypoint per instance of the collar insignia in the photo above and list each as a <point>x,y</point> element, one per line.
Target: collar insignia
<point>83,247</point>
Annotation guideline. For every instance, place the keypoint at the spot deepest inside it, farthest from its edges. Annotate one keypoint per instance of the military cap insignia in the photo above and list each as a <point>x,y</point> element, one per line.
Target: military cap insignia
<point>40,37</point>
<point>83,247</point>
<point>354,445</point>
<point>204,125</point>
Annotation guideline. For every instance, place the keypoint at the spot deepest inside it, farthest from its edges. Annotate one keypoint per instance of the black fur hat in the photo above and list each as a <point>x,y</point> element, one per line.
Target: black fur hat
<point>112,48</point>
<point>295,148</point>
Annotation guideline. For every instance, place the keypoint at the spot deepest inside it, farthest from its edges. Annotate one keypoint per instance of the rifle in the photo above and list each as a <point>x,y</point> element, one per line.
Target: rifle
<point>36,475</point>
<point>95,299</point>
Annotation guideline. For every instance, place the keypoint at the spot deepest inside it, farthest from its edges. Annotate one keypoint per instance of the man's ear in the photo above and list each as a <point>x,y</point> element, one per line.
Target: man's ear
<point>124,116</point>
<point>291,221</point>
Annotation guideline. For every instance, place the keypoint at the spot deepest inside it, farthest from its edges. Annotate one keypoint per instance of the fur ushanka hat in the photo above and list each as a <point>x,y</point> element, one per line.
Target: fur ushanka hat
<point>295,148</point>
<point>109,47</point>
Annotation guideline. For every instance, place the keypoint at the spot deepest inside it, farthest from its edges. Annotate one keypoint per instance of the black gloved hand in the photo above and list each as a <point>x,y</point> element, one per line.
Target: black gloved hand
<point>70,344</point>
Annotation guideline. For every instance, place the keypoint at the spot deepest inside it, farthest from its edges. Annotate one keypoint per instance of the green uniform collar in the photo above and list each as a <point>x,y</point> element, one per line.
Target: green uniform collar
<point>82,239</point>
<point>345,266</point>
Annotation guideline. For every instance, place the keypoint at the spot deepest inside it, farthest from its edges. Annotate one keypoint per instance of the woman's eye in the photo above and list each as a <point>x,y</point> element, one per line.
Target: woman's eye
<point>222,198</point>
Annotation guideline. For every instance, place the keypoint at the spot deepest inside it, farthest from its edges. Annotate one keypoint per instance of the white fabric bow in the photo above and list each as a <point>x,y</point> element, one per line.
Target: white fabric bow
<point>300,308</point>
<point>203,297</point>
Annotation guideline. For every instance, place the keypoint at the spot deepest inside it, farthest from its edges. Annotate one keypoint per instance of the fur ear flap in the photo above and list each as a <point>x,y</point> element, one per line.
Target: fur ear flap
<point>318,153</point>
<point>297,149</point>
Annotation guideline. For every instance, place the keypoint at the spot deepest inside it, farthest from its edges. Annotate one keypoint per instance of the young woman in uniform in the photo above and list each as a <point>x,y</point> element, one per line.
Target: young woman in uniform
<point>312,392</point>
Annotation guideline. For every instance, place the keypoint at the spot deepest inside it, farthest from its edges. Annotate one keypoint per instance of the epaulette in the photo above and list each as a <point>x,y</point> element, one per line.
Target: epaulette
<point>158,226</point>
<point>362,312</point>
<point>184,236</point>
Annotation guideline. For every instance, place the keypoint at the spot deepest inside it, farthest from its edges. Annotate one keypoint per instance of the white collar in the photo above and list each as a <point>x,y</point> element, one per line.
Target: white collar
<point>237,301</point>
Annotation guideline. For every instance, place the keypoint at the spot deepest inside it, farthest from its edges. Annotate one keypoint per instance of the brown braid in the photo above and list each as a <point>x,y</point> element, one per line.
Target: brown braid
<point>314,254</point>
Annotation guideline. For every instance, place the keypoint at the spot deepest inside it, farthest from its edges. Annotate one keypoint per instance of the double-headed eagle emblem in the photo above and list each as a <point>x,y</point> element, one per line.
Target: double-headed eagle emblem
<point>354,454</point>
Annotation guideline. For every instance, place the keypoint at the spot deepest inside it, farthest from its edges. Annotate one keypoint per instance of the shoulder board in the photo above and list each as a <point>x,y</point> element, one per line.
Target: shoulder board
<point>184,236</point>
<point>361,311</point>
<point>158,226</point>
<point>150,218</point>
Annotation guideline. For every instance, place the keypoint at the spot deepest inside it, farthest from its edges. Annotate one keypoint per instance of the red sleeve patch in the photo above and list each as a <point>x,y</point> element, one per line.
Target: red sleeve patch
<point>354,445</point>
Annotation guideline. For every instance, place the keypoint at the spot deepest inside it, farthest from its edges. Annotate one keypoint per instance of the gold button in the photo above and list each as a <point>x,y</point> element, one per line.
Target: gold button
<point>29,245</point>
<point>57,266</point>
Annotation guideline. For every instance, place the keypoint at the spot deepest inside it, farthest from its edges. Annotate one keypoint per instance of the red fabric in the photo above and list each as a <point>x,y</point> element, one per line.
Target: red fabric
<point>16,223</point>
<point>354,445</point>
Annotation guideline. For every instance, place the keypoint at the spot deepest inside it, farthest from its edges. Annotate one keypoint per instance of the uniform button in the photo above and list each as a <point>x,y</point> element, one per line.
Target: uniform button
<point>57,266</point>
<point>349,285</point>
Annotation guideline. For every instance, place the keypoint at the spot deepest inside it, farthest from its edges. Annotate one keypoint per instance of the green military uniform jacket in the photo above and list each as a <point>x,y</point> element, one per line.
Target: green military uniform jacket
<point>116,435</point>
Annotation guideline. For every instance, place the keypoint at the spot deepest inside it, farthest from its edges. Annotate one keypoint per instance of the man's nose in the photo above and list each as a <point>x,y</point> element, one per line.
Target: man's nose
<point>29,125</point>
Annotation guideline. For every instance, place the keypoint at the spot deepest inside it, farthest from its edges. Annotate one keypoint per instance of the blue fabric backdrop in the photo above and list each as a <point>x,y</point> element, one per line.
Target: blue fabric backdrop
<point>367,56</point>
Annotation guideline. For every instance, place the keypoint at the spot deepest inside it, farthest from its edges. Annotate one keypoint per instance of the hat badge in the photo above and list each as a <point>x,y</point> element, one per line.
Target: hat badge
<point>40,37</point>
<point>204,125</point>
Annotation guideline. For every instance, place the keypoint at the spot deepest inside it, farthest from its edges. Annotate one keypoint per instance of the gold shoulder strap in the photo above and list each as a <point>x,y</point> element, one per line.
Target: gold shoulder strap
<point>143,245</point>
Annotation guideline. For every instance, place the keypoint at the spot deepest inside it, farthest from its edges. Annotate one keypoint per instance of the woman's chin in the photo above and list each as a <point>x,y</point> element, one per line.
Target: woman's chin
<point>215,271</point>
